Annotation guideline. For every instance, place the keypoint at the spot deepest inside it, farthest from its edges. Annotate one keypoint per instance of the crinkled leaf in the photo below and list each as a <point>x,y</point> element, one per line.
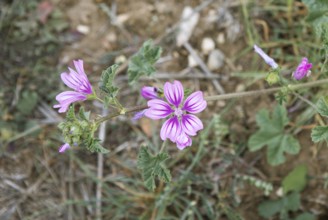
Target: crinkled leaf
<point>107,81</point>
<point>295,180</point>
<point>142,63</point>
<point>319,133</point>
<point>272,134</point>
<point>152,166</point>
<point>95,146</point>
<point>322,106</point>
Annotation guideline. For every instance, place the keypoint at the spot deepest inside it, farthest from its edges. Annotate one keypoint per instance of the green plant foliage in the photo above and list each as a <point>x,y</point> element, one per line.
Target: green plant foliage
<point>78,130</point>
<point>305,216</point>
<point>152,166</point>
<point>232,214</point>
<point>27,102</point>
<point>318,17</point>
<point>319,133</point>
<point>272,134</point>
<point>142,63</point>
<point>322,106</point>
<point>295,180</point>
<point>107,84</point>
<point>291,202</point>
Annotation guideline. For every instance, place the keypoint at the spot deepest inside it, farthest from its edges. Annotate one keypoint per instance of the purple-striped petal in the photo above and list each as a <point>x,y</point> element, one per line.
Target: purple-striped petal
<point>149,92</point>
<point>66,98</point>
<point>195,103</point>
<point>191,124</point>
<point>77,80</point>
<point>139,115</point>
<point>158,109</point>
<point>174,93</point>
<point>63,148</point>
<point>170,129</point>
<point>183,141</point>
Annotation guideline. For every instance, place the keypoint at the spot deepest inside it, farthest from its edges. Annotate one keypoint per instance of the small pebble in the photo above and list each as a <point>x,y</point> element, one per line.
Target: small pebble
<point>215,60</point>
<point>207,45</point>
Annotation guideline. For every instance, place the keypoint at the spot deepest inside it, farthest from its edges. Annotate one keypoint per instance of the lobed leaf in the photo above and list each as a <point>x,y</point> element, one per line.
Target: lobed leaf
<point>107,81</point>
<point>272,134</point>
<point>322,106</point>
<point>319,133</point>
<point>142,63</point>
<point>152,166</point>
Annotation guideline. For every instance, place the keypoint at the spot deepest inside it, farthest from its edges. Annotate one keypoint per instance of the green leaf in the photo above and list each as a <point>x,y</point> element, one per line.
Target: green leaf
<point>267,209</point>
<point>107,81</point>
<point>142,63</point>
<point>27,102</point>
<point>152,166</point>
<point>295,180</point>
<point>322,106</point>
<point>318,16</point>
<point>84,115</point>
<point>306,216</point>
<point>272,134</point>
<point>319,133</point>
<point>291,202</point>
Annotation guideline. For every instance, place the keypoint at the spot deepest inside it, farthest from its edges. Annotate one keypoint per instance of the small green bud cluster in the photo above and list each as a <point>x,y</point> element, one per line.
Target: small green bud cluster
<point>273,77</point>
<point>79,131</point>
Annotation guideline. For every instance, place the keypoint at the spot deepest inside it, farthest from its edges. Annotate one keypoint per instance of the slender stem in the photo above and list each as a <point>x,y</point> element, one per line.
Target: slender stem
<point>225,96</point>
<point>163,146</point>
<point>115,114</point>
<point>305,100</point>
<point>264,91</point>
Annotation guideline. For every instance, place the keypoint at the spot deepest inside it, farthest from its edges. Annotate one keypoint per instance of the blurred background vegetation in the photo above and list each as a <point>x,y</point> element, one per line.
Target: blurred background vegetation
<point>216,178</point>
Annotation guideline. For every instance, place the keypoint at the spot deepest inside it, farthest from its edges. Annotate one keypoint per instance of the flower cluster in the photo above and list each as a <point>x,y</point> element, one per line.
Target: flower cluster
<point>76,80</point>
<point>181,123</point>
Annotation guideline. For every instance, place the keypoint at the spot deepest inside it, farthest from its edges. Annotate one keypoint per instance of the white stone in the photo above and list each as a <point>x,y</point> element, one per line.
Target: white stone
<point>84,29</point>
<point>215,60</point>
<point>189,21</point>
<point>207,45</point>
<point>191,61</point>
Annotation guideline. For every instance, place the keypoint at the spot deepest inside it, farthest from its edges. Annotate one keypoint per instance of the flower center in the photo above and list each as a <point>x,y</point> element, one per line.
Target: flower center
<point>178,112</point>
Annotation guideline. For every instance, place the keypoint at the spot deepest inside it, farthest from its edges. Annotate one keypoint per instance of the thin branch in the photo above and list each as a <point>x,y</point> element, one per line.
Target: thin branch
<point>203,66</point>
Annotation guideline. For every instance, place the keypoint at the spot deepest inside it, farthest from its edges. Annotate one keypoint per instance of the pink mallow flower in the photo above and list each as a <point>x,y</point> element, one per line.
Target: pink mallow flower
<point>63,148</point>
<point>266,57</point>
<point>303,69</point>
<point>76,80</point>
<point>181,123</point>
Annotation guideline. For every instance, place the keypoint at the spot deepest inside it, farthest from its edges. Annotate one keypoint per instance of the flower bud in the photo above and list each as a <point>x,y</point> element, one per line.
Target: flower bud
<point>149,92</point>
<point>272,78</point>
